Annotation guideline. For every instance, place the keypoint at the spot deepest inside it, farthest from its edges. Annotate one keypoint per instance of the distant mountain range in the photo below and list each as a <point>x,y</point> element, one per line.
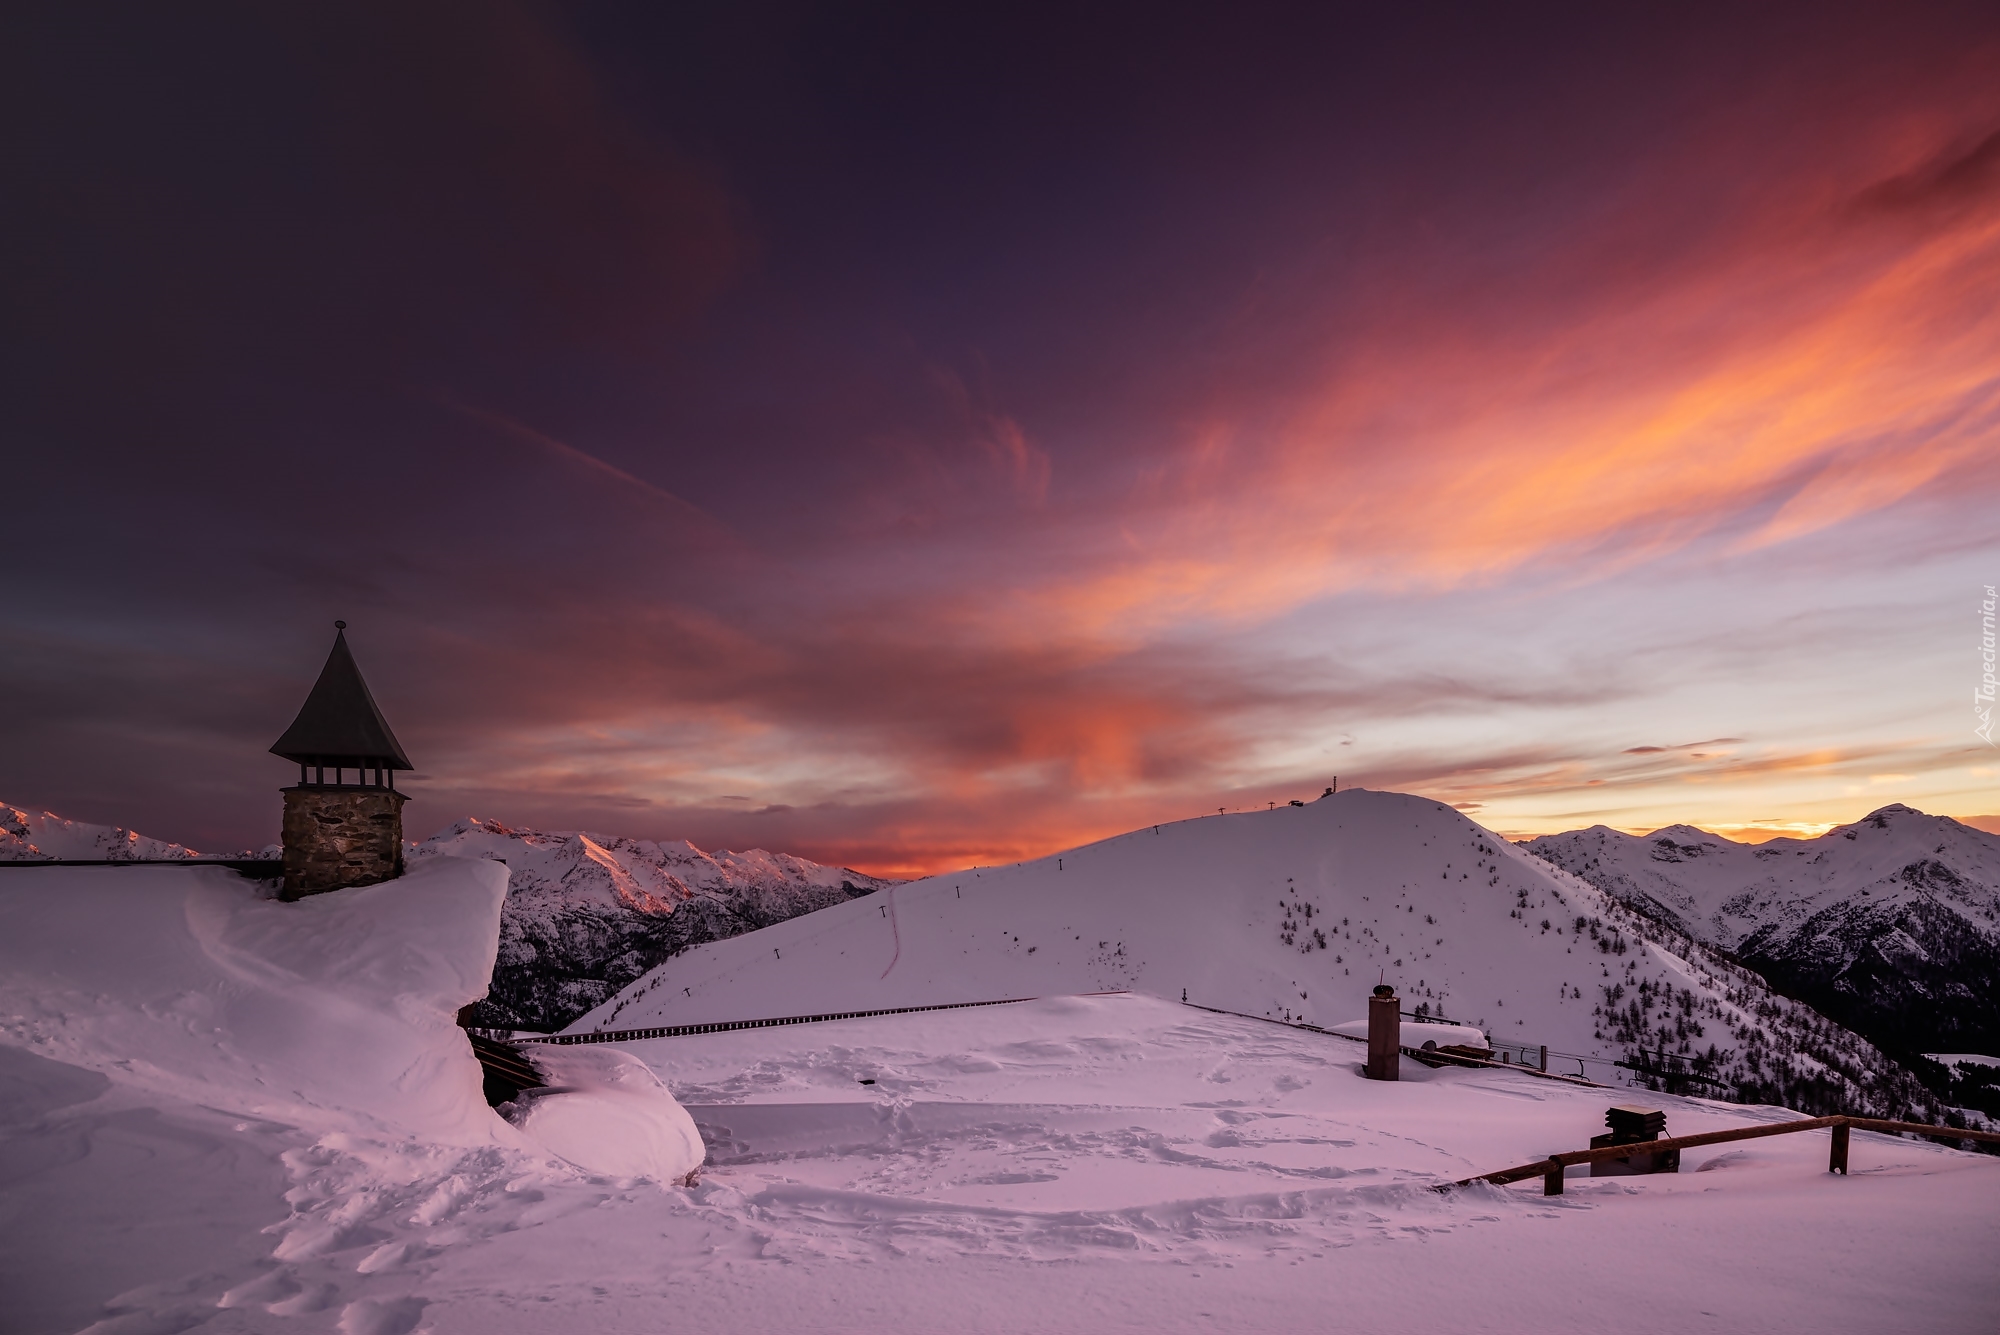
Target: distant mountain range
<point>587,914</point>
<point>28,836</point>
<point>1890,925</point>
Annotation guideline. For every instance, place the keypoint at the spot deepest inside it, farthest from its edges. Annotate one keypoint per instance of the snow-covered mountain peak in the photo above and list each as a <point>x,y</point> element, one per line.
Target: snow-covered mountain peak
<point>1689,833</point>
<point>1675,843</point>
<point>663,896</point>
<point>1890,923</point>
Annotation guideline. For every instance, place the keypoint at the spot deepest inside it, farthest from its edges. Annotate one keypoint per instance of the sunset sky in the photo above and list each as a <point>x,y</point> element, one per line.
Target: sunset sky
<point>912,437</point>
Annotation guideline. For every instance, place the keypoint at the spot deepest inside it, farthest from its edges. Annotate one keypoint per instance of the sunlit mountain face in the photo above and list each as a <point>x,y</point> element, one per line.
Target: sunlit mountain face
<point>918,439</point>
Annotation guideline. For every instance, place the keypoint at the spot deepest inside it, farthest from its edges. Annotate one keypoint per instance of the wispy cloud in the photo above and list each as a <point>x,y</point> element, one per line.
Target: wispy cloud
<point>569,453</point>
<point>956,485</point>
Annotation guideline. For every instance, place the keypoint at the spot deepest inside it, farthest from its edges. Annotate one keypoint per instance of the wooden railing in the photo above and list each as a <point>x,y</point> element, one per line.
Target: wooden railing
<point>255,868</point>
<point>1550,1170</point>
<point>504,1069</point>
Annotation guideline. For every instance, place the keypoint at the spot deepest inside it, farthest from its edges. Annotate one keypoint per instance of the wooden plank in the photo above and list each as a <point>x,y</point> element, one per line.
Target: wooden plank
<point>1924,1129</point>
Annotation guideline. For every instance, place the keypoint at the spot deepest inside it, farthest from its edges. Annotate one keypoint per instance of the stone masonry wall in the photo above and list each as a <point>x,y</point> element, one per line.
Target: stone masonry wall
<point>341,837</point>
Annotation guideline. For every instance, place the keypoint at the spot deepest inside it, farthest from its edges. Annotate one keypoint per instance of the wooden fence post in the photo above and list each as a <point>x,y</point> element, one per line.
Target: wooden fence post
<point>1836,1161</point>
<point>1552,1181</point>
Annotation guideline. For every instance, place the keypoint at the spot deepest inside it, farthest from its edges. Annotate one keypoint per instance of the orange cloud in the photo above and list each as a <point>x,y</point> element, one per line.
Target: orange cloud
<point>1828,362</point>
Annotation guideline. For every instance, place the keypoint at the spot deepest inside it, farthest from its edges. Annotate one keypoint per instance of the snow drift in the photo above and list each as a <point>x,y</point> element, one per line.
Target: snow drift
<point>606,1111</point>
<point>233,1083</point>
<point>340,1005</point>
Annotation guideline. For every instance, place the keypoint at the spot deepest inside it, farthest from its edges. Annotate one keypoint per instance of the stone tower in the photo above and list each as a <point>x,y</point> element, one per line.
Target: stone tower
<point>341,834</point>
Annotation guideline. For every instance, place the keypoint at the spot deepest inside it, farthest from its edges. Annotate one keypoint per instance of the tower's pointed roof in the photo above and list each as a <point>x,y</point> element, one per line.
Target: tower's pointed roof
<point>340,723</point>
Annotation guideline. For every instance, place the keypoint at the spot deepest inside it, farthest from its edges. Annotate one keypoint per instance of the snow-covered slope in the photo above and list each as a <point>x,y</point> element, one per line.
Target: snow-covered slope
<point>219,1113</point>
<point>27,836</point>
<point>588,913</point>
<point>1294,914</point>
<point>1890,925</point>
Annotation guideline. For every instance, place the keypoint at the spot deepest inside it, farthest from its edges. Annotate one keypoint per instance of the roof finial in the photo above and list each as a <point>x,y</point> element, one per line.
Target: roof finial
<point>340,625</point>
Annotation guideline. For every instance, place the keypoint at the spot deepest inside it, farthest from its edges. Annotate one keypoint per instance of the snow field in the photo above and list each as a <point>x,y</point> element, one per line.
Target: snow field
<point>1117,1103</point>
<point>1122,1163</point>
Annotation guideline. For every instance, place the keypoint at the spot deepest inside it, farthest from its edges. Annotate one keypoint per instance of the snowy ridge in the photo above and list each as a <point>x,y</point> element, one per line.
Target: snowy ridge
<point>27,836</point>
<point>588,913</point>
<point>1890,925</point>
<point>1294,914</point>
